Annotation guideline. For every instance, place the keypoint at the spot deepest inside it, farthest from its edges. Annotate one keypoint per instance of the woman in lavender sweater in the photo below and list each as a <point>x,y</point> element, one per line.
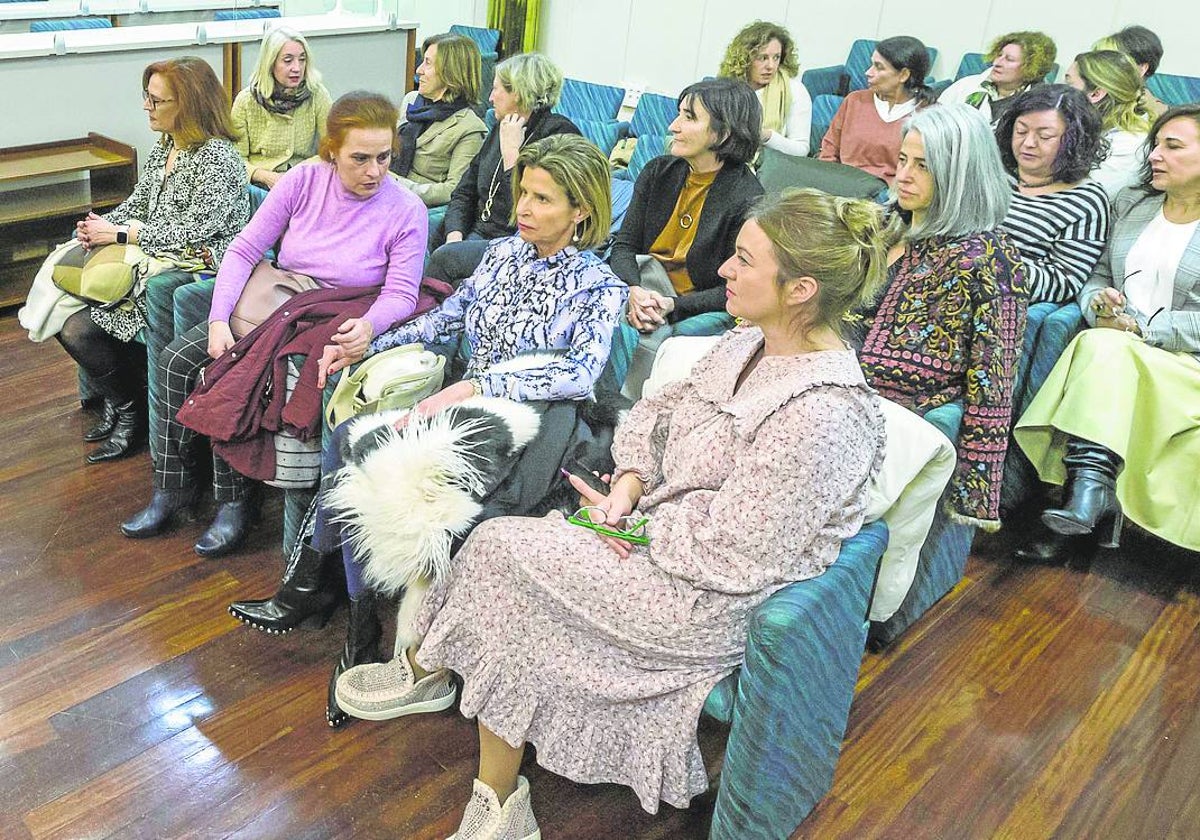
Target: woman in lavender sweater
<point>341,221</point>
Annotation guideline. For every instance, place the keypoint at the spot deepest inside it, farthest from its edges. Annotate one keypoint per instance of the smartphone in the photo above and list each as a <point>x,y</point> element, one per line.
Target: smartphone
<point>577,467</point>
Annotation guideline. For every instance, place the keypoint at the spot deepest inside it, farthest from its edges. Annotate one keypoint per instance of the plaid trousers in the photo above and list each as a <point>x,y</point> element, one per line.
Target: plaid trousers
<point>179,365</point>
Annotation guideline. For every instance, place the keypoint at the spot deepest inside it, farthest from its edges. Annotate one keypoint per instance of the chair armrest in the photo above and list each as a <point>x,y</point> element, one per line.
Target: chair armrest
<point>803,653</point>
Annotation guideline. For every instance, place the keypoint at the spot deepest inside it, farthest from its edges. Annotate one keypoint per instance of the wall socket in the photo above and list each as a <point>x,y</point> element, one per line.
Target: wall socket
<point>633,93</point>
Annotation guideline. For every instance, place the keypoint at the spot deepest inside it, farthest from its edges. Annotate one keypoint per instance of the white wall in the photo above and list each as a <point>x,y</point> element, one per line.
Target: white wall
<point>434,15</point>
<point>664,45</point>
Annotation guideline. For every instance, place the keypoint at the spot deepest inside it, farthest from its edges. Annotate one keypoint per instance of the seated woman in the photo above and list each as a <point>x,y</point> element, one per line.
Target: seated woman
<point>1146,50</point>
<point>440,133</point>
<point>184,211</point>
<point>541,290</point>
<point>682,222</point>
<point>865,132</point>
<point>526,87</point>
<point>764,56</point>
<point>1111,82</point>
<point>949,326</point>
<point>1020,60</point>
<point>1116,419</point>
<point>340,221</point>
<point>747,476</point>
<point>280,115</point>
<point>1050,139</point>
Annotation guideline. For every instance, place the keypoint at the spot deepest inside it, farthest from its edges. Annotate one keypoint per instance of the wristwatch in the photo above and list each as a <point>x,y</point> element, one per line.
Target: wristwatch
<point>122,236</point>
<point>476,388</point>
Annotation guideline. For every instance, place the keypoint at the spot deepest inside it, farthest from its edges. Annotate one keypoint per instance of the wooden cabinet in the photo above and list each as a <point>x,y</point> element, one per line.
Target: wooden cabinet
<point>44,190</point>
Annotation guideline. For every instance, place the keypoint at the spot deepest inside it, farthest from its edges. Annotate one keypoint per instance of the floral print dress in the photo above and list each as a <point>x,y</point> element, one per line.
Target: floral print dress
<point>605,663</point>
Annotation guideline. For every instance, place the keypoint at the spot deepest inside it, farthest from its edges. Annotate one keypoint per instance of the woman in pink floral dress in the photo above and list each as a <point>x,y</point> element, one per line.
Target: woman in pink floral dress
<point>752,471</point>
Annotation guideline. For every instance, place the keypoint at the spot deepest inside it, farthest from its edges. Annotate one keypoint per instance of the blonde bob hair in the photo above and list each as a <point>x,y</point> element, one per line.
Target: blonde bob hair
<point>458,64</point>
<point>534,79</point>
<point>263,77</point>
<point>581,170</point>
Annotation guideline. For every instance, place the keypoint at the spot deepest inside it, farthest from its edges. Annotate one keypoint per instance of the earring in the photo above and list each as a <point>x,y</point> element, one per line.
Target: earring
<point>575,237</point>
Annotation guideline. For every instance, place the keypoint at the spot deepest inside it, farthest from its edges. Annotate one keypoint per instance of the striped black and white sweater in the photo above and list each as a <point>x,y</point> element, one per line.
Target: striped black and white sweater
<point>1060,236</point>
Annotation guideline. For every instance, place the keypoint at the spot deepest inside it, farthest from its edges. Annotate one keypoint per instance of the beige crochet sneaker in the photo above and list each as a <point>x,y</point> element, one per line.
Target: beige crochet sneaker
<point>386,690</point>
<point>486,819</point>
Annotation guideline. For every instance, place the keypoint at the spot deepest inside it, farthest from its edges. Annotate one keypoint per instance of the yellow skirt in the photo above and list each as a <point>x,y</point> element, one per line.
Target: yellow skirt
<point>1141,402</point>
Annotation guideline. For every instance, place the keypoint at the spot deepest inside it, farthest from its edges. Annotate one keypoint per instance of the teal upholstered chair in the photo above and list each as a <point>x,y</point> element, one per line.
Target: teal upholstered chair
<point>1174,90</point>
<point>653,114</point>
<point>65,24</point>
<point>245,14</point>
<point>787,707</point>
<point>589,101</point>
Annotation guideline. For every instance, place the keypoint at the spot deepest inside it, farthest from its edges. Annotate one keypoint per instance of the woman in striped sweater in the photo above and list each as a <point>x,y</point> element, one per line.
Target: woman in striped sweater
<point>1050,139</point>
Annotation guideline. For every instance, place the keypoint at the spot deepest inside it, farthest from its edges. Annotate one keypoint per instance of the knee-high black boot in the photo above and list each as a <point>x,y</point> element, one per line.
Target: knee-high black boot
<point>362,646</point>
<point>1091,492</point>
<point>307,596</point>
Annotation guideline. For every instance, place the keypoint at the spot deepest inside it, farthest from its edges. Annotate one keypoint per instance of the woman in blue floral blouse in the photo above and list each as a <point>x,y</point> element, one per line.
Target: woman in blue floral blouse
<point>539,291</point>
<point>949,325</point>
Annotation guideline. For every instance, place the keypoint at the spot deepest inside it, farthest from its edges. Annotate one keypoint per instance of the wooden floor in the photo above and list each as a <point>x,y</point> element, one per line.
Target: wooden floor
<point>1032,702</point>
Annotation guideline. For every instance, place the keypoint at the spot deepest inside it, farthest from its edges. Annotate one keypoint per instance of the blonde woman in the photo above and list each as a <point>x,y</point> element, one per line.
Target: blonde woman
<point>440,133</point>
<point>280,117</point>
<point>763,55</point>
<point>1113,84</point>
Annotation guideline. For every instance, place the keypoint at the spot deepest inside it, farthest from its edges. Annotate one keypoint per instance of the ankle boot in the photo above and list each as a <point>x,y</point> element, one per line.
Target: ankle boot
<point>128,434</point>
<point>1091,492</point>
<point>155,517</point>
<point>362,646</point>
<point>1046,547</point>
<point>306,598</point>
<point>229,527</point>
<point>104,426</point>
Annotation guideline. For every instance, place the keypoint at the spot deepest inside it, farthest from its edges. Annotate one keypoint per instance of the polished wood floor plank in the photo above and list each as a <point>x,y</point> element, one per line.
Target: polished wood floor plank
<point>1031,702</point>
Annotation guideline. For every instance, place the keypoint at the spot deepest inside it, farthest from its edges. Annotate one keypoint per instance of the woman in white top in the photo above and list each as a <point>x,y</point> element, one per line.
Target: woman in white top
<point>1113,84</point>
<point>1019,61</point>
<point>763,55</point>
<point>1116,419</point>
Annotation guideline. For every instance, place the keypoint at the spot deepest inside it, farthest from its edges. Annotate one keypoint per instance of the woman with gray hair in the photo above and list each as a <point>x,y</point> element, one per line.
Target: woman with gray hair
<point>949,325</point>
<point>526,87</point>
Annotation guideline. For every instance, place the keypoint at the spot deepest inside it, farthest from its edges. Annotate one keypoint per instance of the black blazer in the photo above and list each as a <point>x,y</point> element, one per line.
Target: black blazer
<point>654,196</point>
<point>468,198</point>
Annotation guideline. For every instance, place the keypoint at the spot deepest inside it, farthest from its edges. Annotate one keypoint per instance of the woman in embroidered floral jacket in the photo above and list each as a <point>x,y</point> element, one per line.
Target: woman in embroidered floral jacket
<point>949,325</point>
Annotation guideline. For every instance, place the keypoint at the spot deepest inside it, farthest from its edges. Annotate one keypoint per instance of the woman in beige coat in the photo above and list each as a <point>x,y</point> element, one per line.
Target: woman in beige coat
<point>440,133</point>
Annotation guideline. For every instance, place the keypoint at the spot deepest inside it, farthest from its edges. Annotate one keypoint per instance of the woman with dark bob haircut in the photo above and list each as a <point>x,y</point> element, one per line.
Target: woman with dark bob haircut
<point>688,206</point>
<point>1050,139</point>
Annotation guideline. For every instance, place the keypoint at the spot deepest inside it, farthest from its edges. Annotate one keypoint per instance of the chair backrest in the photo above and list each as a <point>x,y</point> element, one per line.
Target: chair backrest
<point>589,101</point>
<point>824,107</point>
<point>604,133</point>
<point>654,113</point>
<point>488,40</point>
<point>1174,90</point>
<point>245,14</point>
<point>779,172</point>
<point>63,24</point>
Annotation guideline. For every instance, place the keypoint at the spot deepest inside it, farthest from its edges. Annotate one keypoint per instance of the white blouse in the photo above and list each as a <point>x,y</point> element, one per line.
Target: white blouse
<point>1153,262</point>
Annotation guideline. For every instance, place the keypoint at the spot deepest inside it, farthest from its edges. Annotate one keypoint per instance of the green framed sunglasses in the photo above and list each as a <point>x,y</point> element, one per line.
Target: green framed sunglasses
<point>634,533</point>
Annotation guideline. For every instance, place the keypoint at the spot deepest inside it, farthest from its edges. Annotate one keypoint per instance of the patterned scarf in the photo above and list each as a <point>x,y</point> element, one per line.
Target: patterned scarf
<point>421,114</point>
<point>283,101</point>
<point>988,92</point>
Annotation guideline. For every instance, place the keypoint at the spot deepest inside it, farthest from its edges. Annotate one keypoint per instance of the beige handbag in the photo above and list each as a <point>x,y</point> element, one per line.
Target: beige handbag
<point>396,378</point>
<point>267,289</point>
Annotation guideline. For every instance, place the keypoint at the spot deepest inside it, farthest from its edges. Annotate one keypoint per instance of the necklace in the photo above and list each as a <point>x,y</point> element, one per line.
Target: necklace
<point>486,214</point>
<point>1033,185</point>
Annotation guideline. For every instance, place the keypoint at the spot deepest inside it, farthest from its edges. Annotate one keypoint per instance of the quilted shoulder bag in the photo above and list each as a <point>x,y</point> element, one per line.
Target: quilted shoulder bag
<point>396,378</point>
<point>103,277</point>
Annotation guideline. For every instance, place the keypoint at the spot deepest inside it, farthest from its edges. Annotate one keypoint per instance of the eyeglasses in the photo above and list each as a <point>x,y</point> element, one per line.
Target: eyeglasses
<point>154,101</point>
<point>634,530</point>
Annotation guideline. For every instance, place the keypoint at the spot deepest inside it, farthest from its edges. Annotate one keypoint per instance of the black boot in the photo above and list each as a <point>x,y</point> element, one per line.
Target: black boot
<point>128,434</point>
<point>306,598</point>
<point>155,517</point>
<point>229,527</point>
<point>1091,492</point>
<point>1045,547</point>
<point>104,426</point>
<point>362,646</point>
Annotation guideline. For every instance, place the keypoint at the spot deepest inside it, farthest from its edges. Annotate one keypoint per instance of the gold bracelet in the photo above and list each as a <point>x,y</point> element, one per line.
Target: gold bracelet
<point>476,388</point>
